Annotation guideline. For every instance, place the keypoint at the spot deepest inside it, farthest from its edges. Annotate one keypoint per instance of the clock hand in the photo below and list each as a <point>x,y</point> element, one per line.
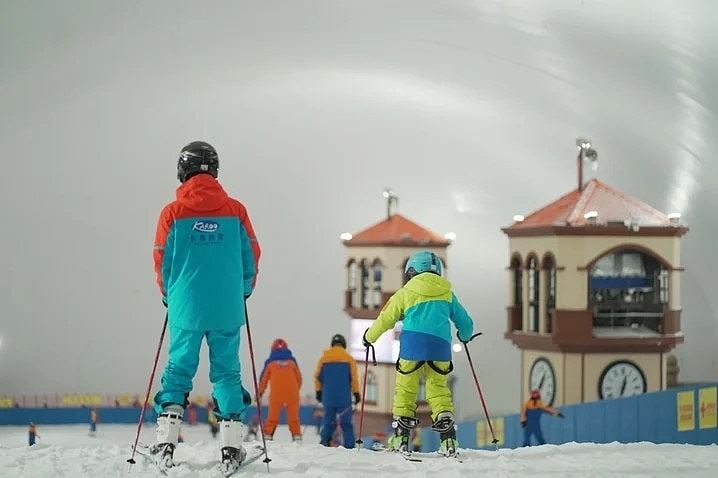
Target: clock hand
<point>543,377</point>
<point>623,386</point>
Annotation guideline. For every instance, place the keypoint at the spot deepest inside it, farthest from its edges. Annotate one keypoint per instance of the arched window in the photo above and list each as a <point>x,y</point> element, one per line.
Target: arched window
<point>372,387</point>
<point>364,285</point>
<point>517,286</point>
<point>352,273</point>
<point>533,292</point>
<point>377,271</point>
<point>629,288</point>
<point>549,265</point>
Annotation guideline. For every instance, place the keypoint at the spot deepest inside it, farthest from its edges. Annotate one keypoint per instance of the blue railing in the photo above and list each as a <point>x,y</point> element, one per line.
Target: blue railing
<point>68,416</point>
<point>682,415</point>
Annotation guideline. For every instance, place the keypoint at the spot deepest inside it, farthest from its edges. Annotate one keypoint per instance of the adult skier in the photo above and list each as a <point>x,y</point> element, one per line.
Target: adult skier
<point>428,307</point>
<point>206,259</point>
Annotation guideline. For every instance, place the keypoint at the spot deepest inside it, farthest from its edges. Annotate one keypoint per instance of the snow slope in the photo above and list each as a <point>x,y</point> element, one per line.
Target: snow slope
<point>67,451</point>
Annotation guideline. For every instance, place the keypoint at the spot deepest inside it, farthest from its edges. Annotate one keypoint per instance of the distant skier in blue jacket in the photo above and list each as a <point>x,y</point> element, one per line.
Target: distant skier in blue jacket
<point>335,380</point>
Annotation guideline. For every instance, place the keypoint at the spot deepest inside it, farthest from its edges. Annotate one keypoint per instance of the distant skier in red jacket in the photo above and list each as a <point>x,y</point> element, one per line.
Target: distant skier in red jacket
<point>283,377</point>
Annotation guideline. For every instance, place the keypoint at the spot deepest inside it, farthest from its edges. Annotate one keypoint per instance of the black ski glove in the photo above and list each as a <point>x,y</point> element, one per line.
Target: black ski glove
<point>319,396</point>
<point>364,341</point>
<point>523,424</point>
<point>467,341</point>
<point>357,398</point>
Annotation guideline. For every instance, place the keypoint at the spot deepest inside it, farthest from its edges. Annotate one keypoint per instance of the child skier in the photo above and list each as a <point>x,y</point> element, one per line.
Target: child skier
<point>206,259</point>
<point>531,417</point>
<point>32,434</point>
<point>282,375</point>
<point>427,306</point>
<point>94,419</point>
<point>335,380</point>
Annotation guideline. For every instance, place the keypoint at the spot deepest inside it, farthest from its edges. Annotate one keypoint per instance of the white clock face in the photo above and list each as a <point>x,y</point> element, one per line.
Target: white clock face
<point>542,378</point>
<point>621,379</point>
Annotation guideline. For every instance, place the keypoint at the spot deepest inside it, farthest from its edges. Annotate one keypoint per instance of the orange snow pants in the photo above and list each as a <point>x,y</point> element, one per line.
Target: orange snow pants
<point>276,403</point>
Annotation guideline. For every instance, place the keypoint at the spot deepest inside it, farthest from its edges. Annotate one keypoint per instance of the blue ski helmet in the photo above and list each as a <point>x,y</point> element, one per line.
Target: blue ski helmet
<point>423,261</point>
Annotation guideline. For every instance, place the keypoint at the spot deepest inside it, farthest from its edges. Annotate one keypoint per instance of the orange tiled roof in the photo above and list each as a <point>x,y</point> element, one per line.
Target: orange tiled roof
<point>612,206</point>
<point>397,231</point>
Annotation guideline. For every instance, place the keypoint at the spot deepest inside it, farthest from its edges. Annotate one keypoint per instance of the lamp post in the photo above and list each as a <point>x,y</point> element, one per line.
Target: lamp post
<point>391,200</point>
<point>585,151</point>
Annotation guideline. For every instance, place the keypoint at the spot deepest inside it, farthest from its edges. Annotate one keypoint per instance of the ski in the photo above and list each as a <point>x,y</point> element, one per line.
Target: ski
<point>255,453</point>
<point>435,456</point>
<point>409,457</point>
<point>258,453</point>
<point>144,451</point>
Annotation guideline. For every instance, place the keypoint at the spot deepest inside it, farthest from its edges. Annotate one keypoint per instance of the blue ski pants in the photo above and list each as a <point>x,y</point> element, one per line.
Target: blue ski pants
<point>528,431</point>
<point>329,425</point>
<point>224,370</point>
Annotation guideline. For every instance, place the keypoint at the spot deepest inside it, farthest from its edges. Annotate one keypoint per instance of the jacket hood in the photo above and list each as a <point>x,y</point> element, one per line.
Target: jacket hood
<point>202,193</point>
<point>429,285</point>
<point>280,354</point>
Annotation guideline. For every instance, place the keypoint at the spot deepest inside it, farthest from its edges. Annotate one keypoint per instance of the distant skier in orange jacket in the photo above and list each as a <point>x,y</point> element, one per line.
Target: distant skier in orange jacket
<point>282,375</point>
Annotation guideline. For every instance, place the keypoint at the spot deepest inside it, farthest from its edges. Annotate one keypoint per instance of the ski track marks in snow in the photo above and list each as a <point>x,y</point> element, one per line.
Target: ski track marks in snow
<point>68,451</point>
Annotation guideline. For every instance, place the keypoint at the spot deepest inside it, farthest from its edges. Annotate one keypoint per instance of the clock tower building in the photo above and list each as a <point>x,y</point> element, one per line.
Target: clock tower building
<point>594,295</point>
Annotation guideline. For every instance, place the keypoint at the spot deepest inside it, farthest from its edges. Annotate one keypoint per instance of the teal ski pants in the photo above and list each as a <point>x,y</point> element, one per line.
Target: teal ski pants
<point>224,370</point>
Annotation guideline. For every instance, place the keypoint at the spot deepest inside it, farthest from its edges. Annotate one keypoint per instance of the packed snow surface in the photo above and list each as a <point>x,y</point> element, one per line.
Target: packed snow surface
<point>68,451</point>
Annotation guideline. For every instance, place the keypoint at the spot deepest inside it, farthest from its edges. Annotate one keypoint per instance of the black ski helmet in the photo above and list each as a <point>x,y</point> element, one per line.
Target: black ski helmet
<point>339,340</point>
<point>195,158</point>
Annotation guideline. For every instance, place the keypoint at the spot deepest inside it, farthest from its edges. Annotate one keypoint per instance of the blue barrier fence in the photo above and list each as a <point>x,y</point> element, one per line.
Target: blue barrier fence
<point>67,416</point>
<point>682,415</point>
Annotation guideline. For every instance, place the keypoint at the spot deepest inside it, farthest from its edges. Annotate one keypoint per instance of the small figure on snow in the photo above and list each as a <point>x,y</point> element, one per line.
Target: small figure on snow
<point>531,417</point>
<point>94,420</point>
<point>212,420</point>
<point>335,381</point>
<point>191,411</point>
<point>284,379</point>
<point>206,259</point>
<point>428,307</point>
<point>32,434</point>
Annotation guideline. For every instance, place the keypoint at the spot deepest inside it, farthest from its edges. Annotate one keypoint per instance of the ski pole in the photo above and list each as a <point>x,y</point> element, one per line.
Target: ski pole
<point>359,441</point>
<point>256,388</point>
<point>478,387</point>
<point>131,461</point>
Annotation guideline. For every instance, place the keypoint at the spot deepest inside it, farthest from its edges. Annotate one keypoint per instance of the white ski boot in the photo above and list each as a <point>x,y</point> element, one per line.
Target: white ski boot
<point>168,429</point>
<point>231,436</point>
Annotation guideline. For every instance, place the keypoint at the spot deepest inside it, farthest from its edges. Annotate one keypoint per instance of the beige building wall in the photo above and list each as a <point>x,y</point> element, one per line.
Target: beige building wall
<point>594,364</point>
<point>573,379</point>
<point>572,386</point>
<point>556,359</point>
<point>393,259</point>
<point>574,252</point>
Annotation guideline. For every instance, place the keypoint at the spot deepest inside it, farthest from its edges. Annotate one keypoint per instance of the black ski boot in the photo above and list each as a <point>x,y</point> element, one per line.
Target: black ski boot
<point>402,428</point>
<point>446,426</point>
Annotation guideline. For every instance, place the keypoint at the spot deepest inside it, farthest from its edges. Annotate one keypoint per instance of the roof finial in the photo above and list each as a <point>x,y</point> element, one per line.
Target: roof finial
<point>585,151</point>
<point>391,200</point>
